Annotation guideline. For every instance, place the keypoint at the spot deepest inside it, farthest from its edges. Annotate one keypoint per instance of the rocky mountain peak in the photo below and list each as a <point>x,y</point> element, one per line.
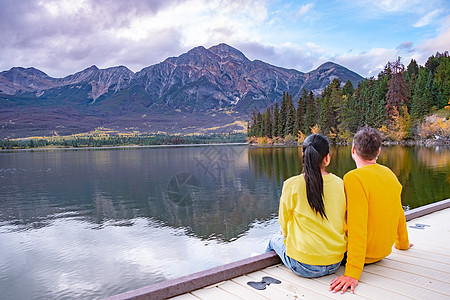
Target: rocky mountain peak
<point>226,51</point>
<point>220,80</point>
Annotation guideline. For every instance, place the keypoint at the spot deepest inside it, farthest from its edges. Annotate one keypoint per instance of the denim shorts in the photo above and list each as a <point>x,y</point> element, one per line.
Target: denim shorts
<point>276,243</point>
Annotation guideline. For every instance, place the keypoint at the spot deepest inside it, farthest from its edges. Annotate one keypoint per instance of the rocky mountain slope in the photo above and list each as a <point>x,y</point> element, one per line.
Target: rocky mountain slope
<point>199,90</point>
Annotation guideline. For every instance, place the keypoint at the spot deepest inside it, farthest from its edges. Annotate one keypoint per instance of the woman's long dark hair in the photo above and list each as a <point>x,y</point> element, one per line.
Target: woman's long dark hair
<point>315,148</point>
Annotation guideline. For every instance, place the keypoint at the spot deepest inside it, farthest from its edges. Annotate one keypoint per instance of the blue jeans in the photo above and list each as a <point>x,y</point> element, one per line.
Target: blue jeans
<point>276,243</point>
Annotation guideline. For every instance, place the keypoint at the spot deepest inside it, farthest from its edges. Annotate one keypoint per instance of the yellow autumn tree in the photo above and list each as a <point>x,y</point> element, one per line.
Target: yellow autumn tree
<point>398,128</point>
<point>300,137</point>
<point>315,129</point>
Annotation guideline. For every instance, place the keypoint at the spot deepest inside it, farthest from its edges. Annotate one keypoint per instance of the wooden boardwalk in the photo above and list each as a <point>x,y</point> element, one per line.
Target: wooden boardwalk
<point>422,272</point>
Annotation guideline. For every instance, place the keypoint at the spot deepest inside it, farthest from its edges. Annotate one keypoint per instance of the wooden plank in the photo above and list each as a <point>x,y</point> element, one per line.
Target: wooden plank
<point>364,289</point>
<point>215,293</point>
<point>187,296</point>
<point>391,284</point>
<point>428,242</point>
<point>291,289</point>
<point>430,234</point>
<point>419,262</point>
<point>437,236</point>
<point>420,254</point>
<point>200,279</point>
<point>245,292</point>
<point>416,279</point>
<point>427,209</point>
<point>430,249</point>
<point>414,269</point>
<point>270,292</point>
<point>321,288</point>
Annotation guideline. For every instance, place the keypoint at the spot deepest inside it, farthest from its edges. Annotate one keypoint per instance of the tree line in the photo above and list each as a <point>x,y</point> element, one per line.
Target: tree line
<point>112,141</point>
<point>396,102</point>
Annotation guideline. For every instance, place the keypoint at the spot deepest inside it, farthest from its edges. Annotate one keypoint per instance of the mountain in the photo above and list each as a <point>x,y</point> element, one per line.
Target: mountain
<point>199,91</point>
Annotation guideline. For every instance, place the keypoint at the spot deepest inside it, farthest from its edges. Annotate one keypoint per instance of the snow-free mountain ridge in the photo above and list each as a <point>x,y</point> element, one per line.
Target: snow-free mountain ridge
<point>200,89</point>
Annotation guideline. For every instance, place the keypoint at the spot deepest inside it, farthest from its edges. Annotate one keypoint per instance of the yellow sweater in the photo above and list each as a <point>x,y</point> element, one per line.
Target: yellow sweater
<point>375,218</point>
<point>311,239</point>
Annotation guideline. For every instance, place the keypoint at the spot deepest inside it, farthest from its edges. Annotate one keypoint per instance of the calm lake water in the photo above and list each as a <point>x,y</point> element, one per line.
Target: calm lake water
<point>93,223</point>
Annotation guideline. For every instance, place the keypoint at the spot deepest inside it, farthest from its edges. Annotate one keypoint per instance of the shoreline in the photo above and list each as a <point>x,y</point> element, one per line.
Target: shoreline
<point>407,143</point>
<point>124,147</point>
<point>416,143</point>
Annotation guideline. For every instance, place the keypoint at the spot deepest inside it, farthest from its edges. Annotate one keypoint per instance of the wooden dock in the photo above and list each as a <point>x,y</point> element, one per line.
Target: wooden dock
<point>422,272</point>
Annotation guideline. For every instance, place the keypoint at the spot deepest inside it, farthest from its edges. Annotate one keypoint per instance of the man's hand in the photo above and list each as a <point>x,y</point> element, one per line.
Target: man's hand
<point>343,282</point>
<point>410,245</point>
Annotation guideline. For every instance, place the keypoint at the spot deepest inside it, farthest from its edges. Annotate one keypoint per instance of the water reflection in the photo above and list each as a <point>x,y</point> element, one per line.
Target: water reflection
<point>87,224</point>
<point>208,191</point>
<point>423,171</point>
<point>212,192</point>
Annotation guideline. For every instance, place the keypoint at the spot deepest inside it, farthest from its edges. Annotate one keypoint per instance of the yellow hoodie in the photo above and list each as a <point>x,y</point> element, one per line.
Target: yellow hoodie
<point>311,239</point>
<point>375,218</point>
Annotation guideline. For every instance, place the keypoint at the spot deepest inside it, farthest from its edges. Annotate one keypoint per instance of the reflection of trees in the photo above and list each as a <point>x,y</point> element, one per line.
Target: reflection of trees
<point>276,163</point>
<point>398,159</point>
<point>434,157</point>
<point>284,162</point>
<point>422,171</point>
<point>110,187</point>
<point>220,212</point>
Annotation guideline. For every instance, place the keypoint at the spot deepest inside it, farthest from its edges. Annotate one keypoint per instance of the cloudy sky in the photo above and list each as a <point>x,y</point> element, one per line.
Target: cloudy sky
<point>61,37</point>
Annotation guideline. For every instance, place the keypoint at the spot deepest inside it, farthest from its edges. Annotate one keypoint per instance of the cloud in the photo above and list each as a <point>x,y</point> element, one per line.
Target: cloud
<point>393,5</point>
<point>304,9</point>
<point>405,45</point>
<point>63,37</point>
<point>108,33</point>
<point>428,18</point>
<point>440,43</point>
<point>303,58</point>
<point>368,63</point>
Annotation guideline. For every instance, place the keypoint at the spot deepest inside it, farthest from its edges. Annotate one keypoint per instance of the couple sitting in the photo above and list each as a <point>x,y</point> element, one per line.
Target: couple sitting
<point>324,218</point>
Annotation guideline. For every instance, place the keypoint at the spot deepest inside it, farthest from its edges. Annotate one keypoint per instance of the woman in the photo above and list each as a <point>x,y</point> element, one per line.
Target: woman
<point>311,215</point>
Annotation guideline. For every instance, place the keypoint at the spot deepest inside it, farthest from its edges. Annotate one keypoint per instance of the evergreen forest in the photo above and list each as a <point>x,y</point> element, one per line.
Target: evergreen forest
<point>403,103</point>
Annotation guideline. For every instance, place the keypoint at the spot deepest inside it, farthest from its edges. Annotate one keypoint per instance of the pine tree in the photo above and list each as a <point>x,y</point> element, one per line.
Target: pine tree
<point>398,90</point>
<point>421,100</point>
<point>310,113</point>
<point>348,89</point>
<point>276,120</point>
<point>252,125</point>
<point>290,116</point>
<point>412,71</point>
<point>267,123</point>
<point>378,115</point>
<point>301,109</point>
<point>259,125</point>
<point>441,81</point>
<point>283,116</point>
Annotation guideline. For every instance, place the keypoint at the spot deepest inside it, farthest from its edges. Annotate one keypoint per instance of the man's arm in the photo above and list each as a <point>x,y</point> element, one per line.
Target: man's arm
<point>402,241</point>
<point>357,216</point>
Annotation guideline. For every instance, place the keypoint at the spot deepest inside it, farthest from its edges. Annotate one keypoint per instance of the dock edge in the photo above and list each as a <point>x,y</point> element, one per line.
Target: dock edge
<point>178,286</point>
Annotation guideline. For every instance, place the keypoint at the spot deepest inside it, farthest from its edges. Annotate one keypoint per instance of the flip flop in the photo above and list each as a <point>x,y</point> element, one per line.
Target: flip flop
<point>261,285</point>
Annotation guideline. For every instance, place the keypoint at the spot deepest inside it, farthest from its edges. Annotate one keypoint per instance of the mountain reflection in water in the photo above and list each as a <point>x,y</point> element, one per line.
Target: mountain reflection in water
<point>93,223</point>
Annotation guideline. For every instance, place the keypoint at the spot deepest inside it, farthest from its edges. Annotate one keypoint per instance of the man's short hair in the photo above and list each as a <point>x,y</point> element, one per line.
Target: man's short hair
<point>367,141</point>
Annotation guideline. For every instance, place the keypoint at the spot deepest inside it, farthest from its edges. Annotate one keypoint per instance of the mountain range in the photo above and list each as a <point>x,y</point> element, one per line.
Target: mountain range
<point>202,90</point>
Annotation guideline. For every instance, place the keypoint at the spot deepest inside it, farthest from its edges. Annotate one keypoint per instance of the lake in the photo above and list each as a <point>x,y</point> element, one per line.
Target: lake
<point>94,223</point>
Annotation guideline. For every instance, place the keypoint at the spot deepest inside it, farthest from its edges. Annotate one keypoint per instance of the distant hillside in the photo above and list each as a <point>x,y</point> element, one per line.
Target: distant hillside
<point>203,90</point>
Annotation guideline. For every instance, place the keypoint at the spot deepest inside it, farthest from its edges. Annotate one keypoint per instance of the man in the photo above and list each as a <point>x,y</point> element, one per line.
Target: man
<point>375,218</point>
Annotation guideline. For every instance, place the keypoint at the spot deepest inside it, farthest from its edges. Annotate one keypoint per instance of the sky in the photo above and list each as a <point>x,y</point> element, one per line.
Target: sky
<point>61,37</point>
